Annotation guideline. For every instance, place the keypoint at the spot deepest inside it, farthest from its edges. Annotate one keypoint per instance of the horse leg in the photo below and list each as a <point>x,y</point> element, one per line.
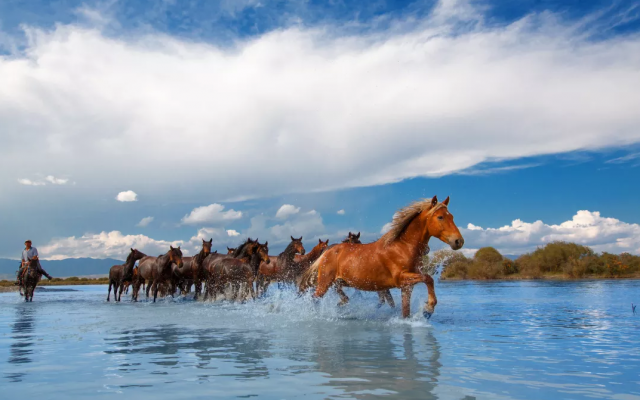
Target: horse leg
<point>251,291</point>
<point>155,289</point>
<point>148,288</point>
<point>120,291</point>
<point>381,298</point>
<point>343,297</point>
<point>410,279</point>
<point>325,280</point>
<point>406,301</point>
<point>109,290</point>
<point>389,298</point>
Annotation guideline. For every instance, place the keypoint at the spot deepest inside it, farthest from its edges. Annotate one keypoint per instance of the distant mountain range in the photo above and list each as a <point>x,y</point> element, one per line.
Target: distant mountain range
<point>63,268</point>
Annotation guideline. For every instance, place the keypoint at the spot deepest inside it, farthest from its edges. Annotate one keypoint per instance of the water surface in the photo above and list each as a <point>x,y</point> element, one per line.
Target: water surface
<point>507,340</point>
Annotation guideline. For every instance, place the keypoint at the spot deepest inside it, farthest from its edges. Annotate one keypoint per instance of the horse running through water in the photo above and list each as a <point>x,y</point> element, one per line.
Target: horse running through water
<point>238,272</point>
<point>244,251</point>
<point>155,271</point>
<point>121,274</point>
<point>392,261</point>
<point>281,268</point>
<point>198,272</point>
<point>30,278</point>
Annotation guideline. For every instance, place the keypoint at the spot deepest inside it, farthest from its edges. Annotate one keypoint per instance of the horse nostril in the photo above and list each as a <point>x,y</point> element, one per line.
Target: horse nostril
<point>459,242</point>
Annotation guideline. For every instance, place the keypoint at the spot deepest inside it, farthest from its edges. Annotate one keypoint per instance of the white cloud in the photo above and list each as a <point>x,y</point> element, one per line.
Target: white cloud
<point>340,212</point>
<point>286,211</point>
<point>586,228</point>
<point>29,182</point>
<point>42,182</point>
<point>233,232</point>
<point>213,213</point>
<point>56,181</point>
<point>385,228</point>
<point>105,245</point>
<point>129,195</point>
<point>292,102</point>
<point>145,221</point>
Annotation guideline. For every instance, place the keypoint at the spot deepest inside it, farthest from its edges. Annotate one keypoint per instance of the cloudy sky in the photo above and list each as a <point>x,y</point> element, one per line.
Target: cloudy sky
<point>148,123</point>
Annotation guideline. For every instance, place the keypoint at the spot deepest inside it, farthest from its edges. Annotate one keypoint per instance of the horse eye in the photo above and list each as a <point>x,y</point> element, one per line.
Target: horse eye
<point>440,217</point>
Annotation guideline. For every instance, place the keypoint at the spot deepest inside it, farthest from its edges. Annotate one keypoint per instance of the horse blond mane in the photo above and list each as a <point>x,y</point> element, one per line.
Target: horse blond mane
<point>405,215</point>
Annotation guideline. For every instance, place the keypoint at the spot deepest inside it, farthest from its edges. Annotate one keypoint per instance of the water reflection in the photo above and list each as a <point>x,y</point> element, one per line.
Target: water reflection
<point>21,347</point>
<point>169,346</point>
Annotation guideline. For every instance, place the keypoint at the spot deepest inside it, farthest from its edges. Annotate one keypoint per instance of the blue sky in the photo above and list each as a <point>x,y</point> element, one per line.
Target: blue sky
<point>520,111</point>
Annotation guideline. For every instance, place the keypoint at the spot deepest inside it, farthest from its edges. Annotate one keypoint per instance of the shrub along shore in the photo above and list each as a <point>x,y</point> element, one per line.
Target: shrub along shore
<point>74,280</point>
<point>556,260</point>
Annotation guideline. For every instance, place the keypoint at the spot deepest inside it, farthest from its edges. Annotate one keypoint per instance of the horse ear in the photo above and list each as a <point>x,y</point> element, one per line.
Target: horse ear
<point>292,239</point>
<point>211,241</point>
<point>446,201</point>
<point>132,249</point>
<point>171,247</point>
<point>434,201</point>
<point>300,238</point>
<point>266,243</point>
<point>319,241</point>
<point>327,241</point>
<point>358,235</point>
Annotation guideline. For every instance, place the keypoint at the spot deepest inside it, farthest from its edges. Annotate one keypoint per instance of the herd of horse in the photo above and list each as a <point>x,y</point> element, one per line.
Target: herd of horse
<point>392,261</point>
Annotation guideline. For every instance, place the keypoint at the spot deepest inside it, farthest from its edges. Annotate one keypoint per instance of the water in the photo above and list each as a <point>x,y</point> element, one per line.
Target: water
<point>509,340</point>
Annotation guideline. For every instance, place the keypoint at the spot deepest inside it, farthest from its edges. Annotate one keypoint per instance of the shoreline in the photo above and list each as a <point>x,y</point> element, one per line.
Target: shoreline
<point>544,278</point>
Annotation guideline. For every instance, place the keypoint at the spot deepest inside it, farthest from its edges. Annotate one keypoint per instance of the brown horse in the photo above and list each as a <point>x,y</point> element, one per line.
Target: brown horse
<point>121,274</point>
<point>392,261</point>
<point>384,296</point>
<point>156,270</point>
<point>30,278</point>
<point>237,271</point>
<point>230,250</point>
<point>244,251</point>
<point>198,272</point>
<point>183,277</point>
<point>281,268</point>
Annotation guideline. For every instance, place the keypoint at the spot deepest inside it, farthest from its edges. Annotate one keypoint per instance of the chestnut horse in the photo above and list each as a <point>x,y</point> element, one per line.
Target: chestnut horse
<point>155,271</point>
<point>392,261</point>
<point>239,271</point>
<point>121,274</point>
<point>281,268</point>
<point>198,272</point>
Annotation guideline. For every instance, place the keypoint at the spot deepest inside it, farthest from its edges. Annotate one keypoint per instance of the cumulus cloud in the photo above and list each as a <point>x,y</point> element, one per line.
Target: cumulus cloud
<point>129,195</point>
<point>232,232</point>
<point>286,211</point>
<point>105,245</point>
<point>340,212</point>
<point>382,106</point>
<point>586,227</point>
<point>56,181</point>
<point>213,213</point>
<point>385,228</point>
<point>145,221</point>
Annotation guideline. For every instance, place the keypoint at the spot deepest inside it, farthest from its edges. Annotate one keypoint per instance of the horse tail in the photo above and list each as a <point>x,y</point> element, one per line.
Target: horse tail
<point>309,277</point>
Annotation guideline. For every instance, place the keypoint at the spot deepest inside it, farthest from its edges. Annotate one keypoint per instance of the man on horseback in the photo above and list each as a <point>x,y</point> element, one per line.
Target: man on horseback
<point>30,256</point>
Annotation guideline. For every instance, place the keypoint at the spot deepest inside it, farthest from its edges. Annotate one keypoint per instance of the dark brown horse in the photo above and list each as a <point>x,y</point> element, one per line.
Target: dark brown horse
<point>183,277</point>
<point>121,274</point>
<point>393,260</point>
<point>281,268</point>
<point>198,272</point>
<point>230,250</point>
<point>238,272</point>
<point>30,278</point>
<point>155,271</point>
<point>244,251</point>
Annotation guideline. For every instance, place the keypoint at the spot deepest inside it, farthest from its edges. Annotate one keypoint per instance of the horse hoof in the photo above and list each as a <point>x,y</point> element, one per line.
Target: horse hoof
<point>427,314</point>
<point>379,305</point>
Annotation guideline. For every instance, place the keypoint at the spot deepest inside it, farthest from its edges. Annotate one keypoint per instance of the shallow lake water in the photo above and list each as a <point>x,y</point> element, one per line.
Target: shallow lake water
<point>498,340</point>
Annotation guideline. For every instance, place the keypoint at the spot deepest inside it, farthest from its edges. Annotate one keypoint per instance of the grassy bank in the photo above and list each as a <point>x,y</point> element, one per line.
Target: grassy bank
<point>557,261</point>
<point>64,282</point>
